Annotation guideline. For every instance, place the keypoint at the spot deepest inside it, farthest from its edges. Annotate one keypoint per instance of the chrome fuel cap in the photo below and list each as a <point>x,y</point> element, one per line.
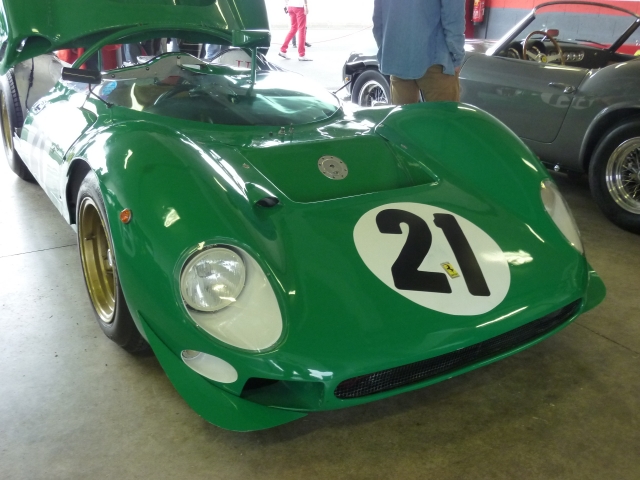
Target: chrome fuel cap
<point>332,167</point>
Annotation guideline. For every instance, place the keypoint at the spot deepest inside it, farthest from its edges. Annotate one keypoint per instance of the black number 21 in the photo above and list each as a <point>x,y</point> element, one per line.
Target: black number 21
<point>406,275</point>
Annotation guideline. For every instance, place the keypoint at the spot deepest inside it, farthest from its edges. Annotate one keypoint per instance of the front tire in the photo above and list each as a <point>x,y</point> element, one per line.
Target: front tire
<point>100,271</point>
<point>370,89</point>
<point>614,175</point>
<point>11,118</point>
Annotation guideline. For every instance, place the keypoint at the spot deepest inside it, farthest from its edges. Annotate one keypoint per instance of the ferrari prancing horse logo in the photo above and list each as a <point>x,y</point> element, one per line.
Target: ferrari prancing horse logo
<point>408,245</point>
<point>450,270</point>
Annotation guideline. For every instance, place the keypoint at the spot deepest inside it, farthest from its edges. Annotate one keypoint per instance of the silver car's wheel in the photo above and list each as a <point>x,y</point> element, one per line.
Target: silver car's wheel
<point>372,94</point>
<point>623,175</point>
<point>614,175</point>
<point>371,89</point>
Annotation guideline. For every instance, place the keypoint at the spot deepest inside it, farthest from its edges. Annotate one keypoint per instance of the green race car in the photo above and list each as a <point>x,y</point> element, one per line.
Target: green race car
<point>280,253</point>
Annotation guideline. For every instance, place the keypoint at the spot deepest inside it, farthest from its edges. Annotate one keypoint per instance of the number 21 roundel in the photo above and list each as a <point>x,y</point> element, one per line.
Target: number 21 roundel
<point>433,257</point>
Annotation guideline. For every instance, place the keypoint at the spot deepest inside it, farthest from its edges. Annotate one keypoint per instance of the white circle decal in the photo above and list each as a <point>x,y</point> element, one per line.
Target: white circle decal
<point>433,257</point>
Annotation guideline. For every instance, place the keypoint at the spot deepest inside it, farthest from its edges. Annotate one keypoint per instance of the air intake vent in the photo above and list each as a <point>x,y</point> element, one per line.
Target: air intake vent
<point>450,362</point>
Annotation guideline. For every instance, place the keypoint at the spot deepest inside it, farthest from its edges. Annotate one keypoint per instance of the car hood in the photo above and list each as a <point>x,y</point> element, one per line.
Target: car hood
<point>449,175</point>
<point>328,252</point>
<point>339,268</point>
<point>360,60</point>
<point>33,27</point>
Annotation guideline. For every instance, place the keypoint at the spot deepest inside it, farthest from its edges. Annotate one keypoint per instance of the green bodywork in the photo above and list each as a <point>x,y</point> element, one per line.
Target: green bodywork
<point>340,321</point>
<point>189,183</point>
<point>33,27</point>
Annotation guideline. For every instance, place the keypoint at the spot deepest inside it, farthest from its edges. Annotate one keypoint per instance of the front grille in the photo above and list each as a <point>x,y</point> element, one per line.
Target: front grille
<point>449,362</point>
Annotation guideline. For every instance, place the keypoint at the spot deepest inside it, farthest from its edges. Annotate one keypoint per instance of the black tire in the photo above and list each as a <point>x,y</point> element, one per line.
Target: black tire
<point>100,270</point>
<point>10,119</point>
<point>371,88</point>
<point>614,175</point>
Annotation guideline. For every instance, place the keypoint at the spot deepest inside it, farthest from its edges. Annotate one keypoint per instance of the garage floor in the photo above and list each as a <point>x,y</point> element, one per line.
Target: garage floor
<point>75,406</point>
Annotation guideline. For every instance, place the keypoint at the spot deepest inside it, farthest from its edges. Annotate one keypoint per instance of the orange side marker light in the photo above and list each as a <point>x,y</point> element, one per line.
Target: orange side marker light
<point>125,215</point>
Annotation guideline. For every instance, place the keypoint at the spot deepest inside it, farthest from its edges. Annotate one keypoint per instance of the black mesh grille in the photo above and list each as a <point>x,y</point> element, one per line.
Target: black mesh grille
<point>425,369</point>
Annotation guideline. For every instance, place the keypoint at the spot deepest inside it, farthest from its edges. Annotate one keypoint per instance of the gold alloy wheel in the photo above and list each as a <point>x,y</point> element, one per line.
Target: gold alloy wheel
<point>623,175</point>
<point>97,261</point>
<point>6,124</point>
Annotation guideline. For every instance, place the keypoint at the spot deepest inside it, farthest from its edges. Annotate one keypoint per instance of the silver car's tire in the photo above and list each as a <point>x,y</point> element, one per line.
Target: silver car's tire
<point>10,119</point>
<point>370,89</point>
<point>614,175</point>
<point>100,271</point>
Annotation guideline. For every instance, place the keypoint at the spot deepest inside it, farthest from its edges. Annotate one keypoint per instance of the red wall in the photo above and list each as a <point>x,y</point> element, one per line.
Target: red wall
<point>468,31</point>
<point>631,5</point>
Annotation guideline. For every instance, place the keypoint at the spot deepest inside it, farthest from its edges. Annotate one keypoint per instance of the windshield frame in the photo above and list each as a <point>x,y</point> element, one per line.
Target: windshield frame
<point>512,34</point>
<point>266,102</point>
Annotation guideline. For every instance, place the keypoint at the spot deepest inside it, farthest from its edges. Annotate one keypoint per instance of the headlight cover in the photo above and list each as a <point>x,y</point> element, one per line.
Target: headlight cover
<point>247,314</point>
<point>559,211</point>
<point>212,279</point>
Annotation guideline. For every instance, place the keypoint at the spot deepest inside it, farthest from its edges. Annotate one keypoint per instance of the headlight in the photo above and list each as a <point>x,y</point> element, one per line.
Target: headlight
<point>559,211</point>
<point>212,279</point>
<point>231,298</point>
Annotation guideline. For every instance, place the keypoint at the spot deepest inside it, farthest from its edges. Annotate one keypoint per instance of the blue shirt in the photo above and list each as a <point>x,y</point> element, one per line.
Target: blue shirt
<point>412,35</point>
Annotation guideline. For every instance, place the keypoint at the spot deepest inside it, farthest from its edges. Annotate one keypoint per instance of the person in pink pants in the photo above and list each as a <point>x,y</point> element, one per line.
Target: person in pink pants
<point>298,11</point>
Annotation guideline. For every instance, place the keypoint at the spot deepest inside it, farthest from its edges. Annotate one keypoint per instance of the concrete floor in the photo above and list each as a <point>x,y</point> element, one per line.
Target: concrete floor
<point>75,406</point>
<point>329,49</point>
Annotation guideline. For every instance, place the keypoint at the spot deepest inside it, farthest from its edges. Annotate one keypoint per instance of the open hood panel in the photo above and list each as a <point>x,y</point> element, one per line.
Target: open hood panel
<point>29,28</point>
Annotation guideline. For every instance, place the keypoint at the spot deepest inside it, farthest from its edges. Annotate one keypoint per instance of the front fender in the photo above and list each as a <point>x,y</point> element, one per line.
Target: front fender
<point>602,122</point>
<point>181,195</point>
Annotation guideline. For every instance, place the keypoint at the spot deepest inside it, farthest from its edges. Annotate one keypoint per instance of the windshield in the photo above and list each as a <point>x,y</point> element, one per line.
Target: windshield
<point>181,86</point>
<point>603,29</point>
<point>598,25</point>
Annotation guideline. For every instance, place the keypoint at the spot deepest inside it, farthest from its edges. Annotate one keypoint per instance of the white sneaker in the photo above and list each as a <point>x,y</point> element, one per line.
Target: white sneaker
<point>283,55</point>
<point>305,58</point>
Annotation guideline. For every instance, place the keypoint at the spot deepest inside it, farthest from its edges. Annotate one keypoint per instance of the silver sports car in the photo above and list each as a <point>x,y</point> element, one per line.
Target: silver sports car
<point>571,93</point>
